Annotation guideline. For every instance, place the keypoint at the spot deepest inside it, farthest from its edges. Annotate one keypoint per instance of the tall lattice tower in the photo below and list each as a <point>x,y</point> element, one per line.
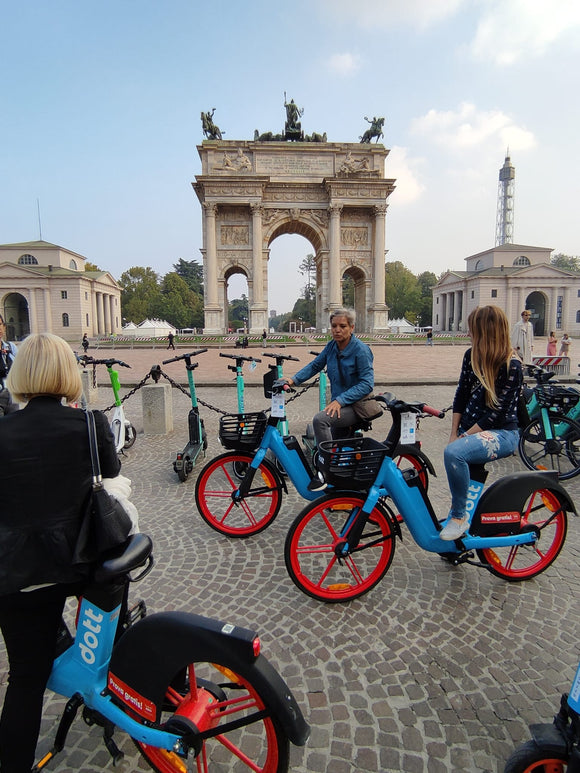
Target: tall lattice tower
<point>504,229</point>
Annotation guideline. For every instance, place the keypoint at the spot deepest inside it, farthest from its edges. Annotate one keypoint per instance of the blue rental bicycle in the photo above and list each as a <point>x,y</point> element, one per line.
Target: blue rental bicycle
<point>341,546</point>
<point>240,507</point>
<point>555,747</point>
<point>193,693</point>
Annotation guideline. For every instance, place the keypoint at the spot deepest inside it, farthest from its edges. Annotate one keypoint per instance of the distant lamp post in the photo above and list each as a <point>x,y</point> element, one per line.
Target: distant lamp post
<point>245,321</point>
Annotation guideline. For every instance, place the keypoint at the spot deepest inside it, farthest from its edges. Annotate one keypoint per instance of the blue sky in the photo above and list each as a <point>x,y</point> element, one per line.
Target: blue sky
<point>101,105</point>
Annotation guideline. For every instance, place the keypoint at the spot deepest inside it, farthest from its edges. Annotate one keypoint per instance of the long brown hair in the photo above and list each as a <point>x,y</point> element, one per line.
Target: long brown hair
<point>490,346</point>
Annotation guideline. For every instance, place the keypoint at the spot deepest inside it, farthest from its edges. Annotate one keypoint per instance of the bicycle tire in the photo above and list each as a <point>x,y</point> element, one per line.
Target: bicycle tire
<point>130,436</point>
<point>213,495</point>
<point>309,549</point>
<point>212,693</point>
<point>543,510</point>
<point>532,758</point>
<point>560,453</point>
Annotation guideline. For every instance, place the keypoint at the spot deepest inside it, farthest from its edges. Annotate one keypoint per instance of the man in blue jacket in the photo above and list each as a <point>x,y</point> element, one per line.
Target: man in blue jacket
<point>349,365</point>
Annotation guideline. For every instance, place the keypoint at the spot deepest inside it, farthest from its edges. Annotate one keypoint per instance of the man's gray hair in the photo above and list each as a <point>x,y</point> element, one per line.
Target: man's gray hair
<point>350,315</point>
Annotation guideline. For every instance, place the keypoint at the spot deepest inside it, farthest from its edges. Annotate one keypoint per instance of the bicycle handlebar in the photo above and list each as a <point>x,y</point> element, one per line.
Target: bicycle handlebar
<point>184,356</point>
<point>400,406</point>
<point>280,356</point>
<point>314,353</point>
<point>240,357</point>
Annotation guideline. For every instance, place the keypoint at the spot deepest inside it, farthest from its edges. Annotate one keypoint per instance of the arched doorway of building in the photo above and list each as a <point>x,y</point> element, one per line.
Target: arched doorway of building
<point>16,316</point>
<point>536,303</point>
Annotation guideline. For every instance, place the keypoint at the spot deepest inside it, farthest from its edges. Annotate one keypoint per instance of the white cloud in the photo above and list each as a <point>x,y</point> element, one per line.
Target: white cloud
<point>405,170</point>
<point>344,64</point>
<point>512,30</point>
<point>467,128</point>
<point>372,14</point>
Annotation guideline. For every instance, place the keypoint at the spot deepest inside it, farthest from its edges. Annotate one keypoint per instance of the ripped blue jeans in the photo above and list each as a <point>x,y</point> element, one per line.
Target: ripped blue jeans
<point>474,449</point>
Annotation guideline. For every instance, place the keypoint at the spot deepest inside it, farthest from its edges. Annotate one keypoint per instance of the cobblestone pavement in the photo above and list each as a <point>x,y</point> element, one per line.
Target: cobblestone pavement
<point>436,669</point>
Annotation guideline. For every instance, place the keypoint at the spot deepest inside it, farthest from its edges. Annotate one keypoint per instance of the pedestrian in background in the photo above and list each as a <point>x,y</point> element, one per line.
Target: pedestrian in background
<point>429,341</point>
<point>523,338</point>
<point>170,338</point>
<point>565,345</point>
<point>551,348</point>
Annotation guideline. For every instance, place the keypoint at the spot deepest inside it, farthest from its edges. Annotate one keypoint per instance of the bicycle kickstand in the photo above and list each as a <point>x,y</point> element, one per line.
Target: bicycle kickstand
<point>68,716</point>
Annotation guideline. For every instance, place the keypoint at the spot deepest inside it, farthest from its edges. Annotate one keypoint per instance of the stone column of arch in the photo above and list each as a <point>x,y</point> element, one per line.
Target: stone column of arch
<point>214,313</point>
<point>334,289</point>
<point>379,253</point>
<point>258,308</point>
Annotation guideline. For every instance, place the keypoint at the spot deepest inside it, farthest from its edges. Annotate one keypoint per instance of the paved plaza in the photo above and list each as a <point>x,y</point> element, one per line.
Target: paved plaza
<point>437,669</point>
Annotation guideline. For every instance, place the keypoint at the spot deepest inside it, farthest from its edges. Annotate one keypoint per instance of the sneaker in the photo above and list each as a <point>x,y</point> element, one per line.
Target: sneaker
<point>317,483</point>
<point>454,528</point>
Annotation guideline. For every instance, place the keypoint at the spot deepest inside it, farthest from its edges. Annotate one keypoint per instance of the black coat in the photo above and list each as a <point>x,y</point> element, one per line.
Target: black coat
<point>45,484</point>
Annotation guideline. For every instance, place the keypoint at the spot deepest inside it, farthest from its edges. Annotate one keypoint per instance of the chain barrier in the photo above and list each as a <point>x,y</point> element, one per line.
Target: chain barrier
<point>130,394</point>
<point>176,385</point>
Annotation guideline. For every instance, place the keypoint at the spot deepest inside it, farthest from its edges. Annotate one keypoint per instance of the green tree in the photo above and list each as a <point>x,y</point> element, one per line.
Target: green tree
<point>140,291</point>
<point>177,303</point>
<point>192,272</point>
<point>280,322</point>
<point>426,281</point>
<point>238,310</point>
<point>92,266</point>
<point>304,310</point>
<point>402,291</point>
<point>567,262</point>
<point>348,292</point>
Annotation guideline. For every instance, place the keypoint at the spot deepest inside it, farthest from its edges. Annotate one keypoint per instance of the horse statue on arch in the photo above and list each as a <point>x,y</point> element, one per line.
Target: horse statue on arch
<point>375,130</point>
<point>211,131</point>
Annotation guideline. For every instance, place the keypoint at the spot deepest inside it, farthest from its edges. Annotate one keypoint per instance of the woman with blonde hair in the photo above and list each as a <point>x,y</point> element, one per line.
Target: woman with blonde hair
<point>46,482</point>
<point>485,425</point>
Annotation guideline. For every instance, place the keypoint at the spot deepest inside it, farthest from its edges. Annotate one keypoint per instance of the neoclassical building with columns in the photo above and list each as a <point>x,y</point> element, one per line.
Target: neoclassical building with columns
<point>514,277</point>
<point>44,287</point>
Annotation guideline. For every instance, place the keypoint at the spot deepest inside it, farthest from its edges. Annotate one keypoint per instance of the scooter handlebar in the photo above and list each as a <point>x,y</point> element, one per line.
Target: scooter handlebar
<point>183,356</point>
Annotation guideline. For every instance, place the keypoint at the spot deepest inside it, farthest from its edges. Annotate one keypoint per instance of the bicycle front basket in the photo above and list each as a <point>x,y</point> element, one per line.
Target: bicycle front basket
<point>242,431</point>
<point>555,396</point>
<point>351,463</point>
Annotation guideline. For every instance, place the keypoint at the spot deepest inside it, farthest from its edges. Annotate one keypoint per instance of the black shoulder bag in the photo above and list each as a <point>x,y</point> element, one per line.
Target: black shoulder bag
<point>106,524</point>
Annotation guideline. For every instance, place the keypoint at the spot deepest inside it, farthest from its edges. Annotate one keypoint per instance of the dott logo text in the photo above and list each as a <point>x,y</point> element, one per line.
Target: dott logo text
<point>90,641</point>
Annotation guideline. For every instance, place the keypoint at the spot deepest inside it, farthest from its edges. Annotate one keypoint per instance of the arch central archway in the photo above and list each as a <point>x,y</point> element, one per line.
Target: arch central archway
<point>333,194</point>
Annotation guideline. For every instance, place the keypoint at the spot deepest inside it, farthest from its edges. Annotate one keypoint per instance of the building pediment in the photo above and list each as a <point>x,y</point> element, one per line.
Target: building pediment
<point>14,271</point>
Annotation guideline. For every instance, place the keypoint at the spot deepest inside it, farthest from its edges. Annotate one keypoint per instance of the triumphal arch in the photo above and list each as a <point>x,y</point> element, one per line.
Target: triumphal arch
<point>333,194</point>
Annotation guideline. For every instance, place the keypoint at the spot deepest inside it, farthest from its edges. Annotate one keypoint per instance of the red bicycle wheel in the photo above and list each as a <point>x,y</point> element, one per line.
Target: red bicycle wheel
<point>545,511</point>
<point>315,537</point>
<point>212,697</point>
<point>213,495</point>
<point>532,758</point>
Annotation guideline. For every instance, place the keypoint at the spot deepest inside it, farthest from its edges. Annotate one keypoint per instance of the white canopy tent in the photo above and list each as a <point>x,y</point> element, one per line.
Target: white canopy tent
<point>149,328</point>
